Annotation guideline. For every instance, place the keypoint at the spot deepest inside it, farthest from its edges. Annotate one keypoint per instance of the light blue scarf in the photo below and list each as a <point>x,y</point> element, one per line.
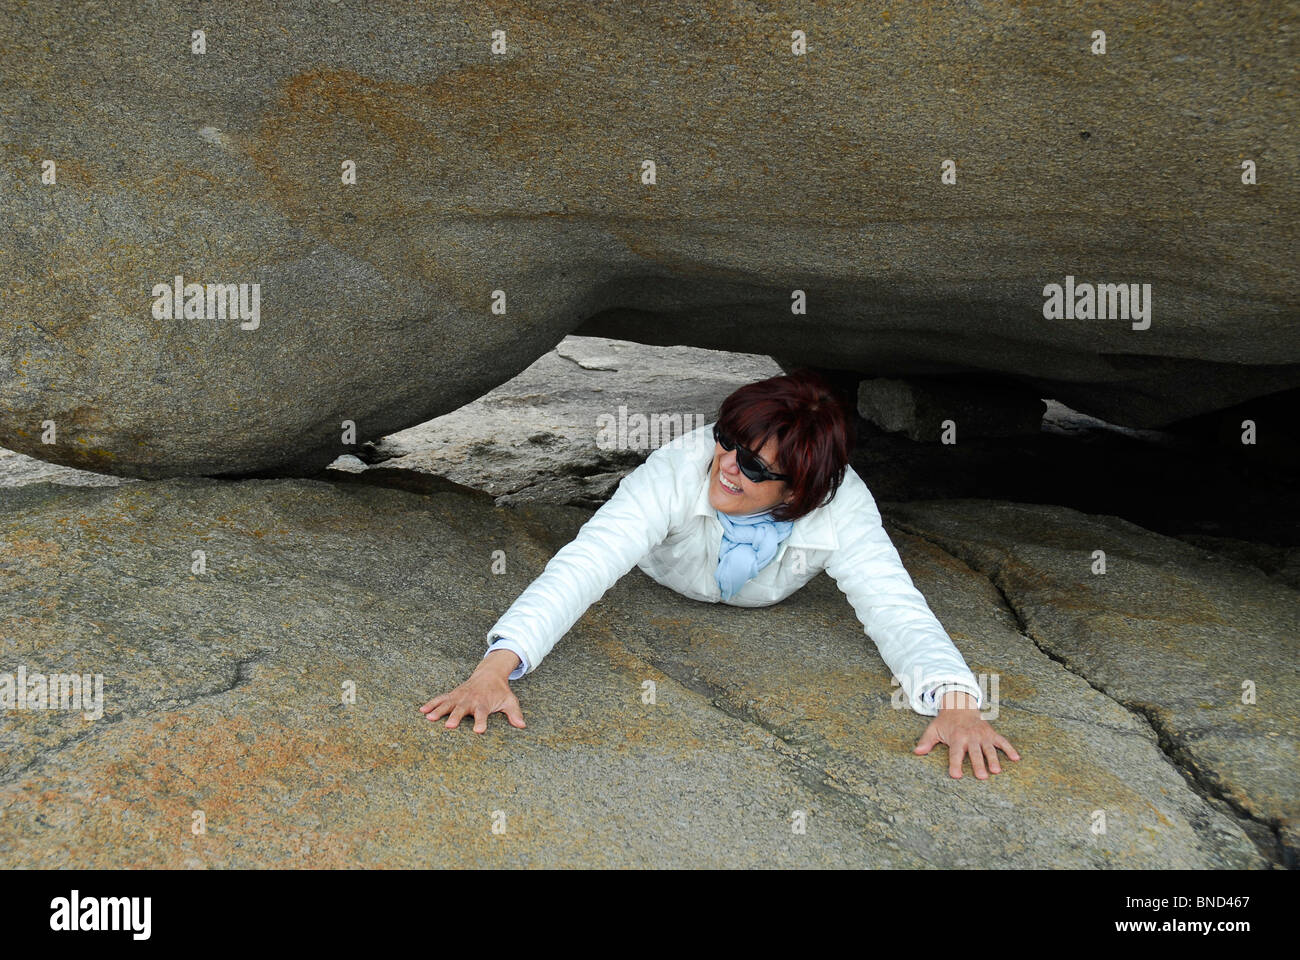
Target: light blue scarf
<point>749,543</point>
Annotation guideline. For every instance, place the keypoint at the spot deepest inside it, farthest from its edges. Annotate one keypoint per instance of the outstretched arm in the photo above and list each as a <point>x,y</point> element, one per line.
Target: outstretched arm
<point>910,638</point>
<point>867,569</point>
<point>621,532</point>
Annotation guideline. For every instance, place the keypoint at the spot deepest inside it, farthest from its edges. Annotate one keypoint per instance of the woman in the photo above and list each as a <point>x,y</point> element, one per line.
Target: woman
<point>745,511</point>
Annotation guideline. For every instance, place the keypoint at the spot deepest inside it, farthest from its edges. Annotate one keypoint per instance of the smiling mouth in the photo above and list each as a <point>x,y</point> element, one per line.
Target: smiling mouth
<point>724,483</point>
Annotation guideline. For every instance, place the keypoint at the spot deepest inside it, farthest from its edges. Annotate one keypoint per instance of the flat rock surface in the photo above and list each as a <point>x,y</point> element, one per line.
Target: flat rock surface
<point>224,695</point>
<point>1202,645</point>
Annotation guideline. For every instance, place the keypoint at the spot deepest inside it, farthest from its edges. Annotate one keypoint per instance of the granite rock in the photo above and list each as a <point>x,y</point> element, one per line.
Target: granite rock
<point>499,205</point>
<point>271,698</point>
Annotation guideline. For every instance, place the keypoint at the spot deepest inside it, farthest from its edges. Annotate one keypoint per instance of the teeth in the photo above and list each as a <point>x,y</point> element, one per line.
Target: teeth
<point>724,482</point>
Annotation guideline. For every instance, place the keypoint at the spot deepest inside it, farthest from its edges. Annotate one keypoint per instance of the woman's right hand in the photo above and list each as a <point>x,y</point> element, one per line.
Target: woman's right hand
<point>485,692</point>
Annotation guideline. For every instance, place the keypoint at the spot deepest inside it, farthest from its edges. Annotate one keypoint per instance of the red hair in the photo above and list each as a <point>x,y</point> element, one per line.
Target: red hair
<point>814,434</point>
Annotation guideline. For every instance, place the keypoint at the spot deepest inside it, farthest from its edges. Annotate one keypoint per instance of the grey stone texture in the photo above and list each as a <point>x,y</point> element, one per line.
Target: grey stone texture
<point>521,173</point>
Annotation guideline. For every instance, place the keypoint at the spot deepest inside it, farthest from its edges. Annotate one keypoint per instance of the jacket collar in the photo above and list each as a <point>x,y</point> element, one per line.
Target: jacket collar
<point>813,531</point>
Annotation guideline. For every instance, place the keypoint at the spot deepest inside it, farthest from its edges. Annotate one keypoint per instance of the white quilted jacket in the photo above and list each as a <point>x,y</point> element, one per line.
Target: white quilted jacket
<point>660,520</point>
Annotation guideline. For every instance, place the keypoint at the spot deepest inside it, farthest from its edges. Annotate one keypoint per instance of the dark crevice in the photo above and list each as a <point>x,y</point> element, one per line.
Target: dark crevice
<point>370,453</point>
<point>397,478</point>
<point>1170,743</point>
<point>243,674</point>
<point>11,775</point>
<point>608,461</point>
<point>240,675</point>
<point>1174,749</point>
<point>1022,708</point>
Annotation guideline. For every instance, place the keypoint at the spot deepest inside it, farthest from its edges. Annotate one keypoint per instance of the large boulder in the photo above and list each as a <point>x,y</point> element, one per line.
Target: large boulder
<point>522,172</point>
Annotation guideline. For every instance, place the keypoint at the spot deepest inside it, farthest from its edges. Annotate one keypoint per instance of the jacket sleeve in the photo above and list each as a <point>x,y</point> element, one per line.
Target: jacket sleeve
<point>624,529</point>
<point>505,643</point>
<point>867,569</point>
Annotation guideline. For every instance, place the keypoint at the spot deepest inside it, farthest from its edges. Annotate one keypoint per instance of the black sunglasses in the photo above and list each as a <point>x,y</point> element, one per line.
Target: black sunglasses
<point>749,464</point>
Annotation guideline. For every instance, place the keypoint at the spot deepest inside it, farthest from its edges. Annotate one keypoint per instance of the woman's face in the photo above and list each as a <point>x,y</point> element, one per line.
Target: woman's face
<point>753,497</point>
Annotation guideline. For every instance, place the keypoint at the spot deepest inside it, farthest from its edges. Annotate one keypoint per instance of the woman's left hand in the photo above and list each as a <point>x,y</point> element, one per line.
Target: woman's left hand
<point>963,730</point>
